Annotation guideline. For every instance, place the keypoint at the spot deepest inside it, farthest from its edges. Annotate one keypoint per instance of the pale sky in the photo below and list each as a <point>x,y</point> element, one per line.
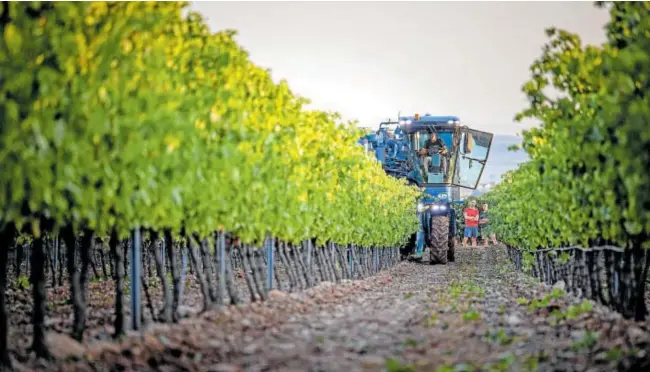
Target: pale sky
<point>369,60</point>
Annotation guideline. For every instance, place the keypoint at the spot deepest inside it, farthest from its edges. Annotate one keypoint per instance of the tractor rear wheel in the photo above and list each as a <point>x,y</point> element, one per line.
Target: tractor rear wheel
<point>438,240</point>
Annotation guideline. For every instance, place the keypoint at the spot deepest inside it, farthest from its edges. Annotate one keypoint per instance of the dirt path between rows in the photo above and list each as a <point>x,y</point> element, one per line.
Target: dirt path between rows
<point>475,314</point>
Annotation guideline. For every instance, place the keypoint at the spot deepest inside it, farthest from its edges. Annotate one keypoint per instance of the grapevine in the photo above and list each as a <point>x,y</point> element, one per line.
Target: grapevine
<point>125,116</point>
<point>586,184</point>
<point>154,122</point>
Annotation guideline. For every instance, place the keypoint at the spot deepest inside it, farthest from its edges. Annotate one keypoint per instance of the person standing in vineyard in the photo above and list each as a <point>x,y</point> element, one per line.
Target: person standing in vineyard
<point>471,223</point>
<point>484,226</point>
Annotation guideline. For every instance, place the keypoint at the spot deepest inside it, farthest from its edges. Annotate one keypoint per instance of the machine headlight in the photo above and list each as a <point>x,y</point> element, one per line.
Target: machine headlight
<point>421,207</point>
<point>402,122</point>
<point>408,122</point>
<point>435,207</point>
<point>443,207</point>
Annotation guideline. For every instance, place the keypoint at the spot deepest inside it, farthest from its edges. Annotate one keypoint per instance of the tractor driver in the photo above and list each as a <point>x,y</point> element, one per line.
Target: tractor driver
<point>434,145</point>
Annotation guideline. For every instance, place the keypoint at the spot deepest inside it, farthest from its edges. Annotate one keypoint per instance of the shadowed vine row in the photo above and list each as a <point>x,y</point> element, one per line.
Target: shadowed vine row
<point>62,260</point>
<point>611,276</point>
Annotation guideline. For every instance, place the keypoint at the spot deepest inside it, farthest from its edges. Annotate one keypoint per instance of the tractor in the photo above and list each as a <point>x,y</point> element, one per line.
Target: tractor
<point>439,155</point>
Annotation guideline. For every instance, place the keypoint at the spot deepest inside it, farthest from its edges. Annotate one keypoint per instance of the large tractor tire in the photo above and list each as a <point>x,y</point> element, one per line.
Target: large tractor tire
<point>438,240</point>
<point>409,248</point>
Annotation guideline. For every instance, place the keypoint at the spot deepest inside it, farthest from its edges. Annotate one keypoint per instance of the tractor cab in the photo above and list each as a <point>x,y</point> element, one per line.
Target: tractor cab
<point>443,153</point>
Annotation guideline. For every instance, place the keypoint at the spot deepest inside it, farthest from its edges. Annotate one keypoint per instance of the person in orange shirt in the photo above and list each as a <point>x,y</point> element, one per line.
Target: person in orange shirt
<point>471,223</point>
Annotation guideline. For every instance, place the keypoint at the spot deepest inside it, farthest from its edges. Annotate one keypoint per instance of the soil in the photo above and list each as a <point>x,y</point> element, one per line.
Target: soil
<point>474,314</point>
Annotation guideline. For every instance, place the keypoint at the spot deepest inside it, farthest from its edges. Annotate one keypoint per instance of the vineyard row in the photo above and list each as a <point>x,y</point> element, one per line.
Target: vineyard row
<point>587,182</point>
<point>121,117</point>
